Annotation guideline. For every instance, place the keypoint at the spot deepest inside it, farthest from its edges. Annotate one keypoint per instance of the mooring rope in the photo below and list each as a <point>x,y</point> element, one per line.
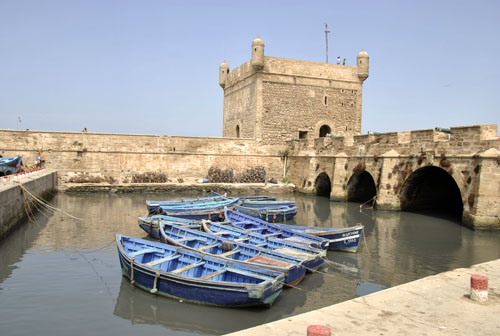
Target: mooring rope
<point>47,205</point>
<point>99,249</point>
<point>374,199</point>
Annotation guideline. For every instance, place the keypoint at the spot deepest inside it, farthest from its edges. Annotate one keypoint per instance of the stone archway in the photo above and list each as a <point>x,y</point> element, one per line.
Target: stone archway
<point>361,187</point>
<point>432,189</point>
<point>322,185</point>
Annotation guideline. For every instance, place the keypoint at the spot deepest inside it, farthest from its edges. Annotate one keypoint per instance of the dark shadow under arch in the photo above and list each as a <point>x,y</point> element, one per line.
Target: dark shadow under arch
<point>324,130</point>
<point>361,187</point>
<point>432,190</point>
<point>323,185</point>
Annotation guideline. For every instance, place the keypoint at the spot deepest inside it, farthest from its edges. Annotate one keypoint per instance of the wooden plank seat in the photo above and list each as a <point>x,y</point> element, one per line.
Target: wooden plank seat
<point>242,239</point>
<point>185,239</point>
<point>162,260</point>
<point>148,250</point>
<point>188,267</point>
<point>230,253</point>
<point>221,233</point>
<point>273,234</point>
<point>207,247</point>
<point>213,274</point>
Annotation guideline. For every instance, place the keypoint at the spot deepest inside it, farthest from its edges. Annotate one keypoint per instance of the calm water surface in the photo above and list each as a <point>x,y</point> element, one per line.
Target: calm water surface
<point>61,276</point>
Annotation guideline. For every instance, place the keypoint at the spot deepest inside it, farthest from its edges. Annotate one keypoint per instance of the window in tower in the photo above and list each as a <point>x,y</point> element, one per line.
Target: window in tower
<point>324,130</point>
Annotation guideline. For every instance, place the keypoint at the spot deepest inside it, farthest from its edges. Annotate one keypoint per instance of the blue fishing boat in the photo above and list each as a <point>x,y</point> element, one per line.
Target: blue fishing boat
<point>206,243</point>
<point>154,205</point>
<point>257,225</point>
<point>150,223</point>
<point>255,198</point>
<point>187,275</point>
<point>314,258</point>
<point>341,239</point>
<point>271,214</point>
<point>210,210</point>
<point>266,204</point>
<point>8,165</point>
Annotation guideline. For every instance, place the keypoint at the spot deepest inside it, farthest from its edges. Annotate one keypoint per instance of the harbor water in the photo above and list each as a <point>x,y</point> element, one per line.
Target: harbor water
<point>60,274</point>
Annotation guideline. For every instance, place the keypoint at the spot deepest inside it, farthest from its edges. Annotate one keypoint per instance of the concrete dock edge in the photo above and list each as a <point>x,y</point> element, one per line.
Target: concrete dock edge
<point>13,206</point>
<point>435,305</point>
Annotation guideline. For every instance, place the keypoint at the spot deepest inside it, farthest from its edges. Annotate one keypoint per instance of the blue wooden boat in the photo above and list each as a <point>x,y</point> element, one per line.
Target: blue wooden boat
<point>341,239</point>
<point>8,165</point>
<point>257,225</point>
<point>206,243</point>
<point>187,275</point>
<point>255,198</point>
<point>271,214</point>
<point>266,204</point>
<point>209,210</point>
<point>314,258</point>
<point>154,205</point>
<point>150,224</point>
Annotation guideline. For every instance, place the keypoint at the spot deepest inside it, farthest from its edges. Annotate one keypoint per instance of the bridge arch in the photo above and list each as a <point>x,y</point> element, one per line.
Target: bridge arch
<point>323,185</point>
<point>361,187</point>
<point>432,189</point>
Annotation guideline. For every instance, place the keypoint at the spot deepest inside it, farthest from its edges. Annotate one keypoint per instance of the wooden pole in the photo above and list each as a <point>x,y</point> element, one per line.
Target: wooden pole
<point>326,36</point>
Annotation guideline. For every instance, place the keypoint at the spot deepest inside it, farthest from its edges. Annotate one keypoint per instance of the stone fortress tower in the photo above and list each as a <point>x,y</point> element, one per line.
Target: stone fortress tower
<point>277,99</point>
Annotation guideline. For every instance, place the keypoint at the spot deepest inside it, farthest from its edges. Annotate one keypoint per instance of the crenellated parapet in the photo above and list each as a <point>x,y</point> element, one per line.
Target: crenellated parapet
<point>460,141</point>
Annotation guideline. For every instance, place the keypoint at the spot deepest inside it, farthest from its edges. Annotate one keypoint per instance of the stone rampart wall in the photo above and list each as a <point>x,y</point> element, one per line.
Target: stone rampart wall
<point>116,157</point>
<point>470,155</point>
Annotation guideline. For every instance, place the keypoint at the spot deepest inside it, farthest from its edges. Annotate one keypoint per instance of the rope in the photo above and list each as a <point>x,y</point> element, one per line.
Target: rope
<point>47,205</point>
<point>316,271</point>
<point>291,286</point>
<point>99,249</point>
<point>374,198</point>
<point>364,240</point>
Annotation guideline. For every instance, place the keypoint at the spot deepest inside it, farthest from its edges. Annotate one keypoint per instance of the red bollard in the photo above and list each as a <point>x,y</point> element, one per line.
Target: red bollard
<point>318,330</point>
<point>479,288</point>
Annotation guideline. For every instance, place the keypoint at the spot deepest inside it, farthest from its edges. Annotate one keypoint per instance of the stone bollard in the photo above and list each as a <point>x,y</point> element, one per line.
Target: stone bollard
<point>479,288</point>
<point>318,330</point>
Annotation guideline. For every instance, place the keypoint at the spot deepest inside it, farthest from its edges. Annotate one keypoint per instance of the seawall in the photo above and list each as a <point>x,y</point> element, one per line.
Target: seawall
<point>13,197</point>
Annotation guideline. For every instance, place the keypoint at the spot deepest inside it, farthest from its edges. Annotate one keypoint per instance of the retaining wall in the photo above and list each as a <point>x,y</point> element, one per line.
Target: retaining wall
<point>13,209</point>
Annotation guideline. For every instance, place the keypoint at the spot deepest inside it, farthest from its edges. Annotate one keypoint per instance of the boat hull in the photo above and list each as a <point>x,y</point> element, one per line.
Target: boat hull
<point>292,267</point>
<point>216,293</point>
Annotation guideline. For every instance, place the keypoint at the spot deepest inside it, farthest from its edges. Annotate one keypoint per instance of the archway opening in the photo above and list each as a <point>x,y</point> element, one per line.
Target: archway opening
<point>432,190</point>
<point>324,130</point>
<point>323,185</point>
<point>361,187</point>
<point>237,131</point>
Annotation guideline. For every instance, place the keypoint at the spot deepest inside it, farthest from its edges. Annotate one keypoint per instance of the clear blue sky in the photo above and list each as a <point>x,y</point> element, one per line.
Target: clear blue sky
<point>152,67</point>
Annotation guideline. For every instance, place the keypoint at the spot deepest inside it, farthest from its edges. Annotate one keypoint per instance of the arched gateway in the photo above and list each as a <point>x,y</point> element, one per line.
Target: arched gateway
<point>361,187</point>
<point>431,189</point>
<point>323,185</point>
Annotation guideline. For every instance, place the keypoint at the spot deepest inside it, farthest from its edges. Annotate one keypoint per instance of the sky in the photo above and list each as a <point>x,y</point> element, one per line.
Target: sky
<point>152,67</point>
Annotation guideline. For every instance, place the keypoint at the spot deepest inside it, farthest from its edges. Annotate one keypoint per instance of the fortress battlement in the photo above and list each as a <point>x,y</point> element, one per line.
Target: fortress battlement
<point>460,141</point>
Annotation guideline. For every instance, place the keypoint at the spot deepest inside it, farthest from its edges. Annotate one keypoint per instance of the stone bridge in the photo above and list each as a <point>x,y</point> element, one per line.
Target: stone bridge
<point>456,171</point>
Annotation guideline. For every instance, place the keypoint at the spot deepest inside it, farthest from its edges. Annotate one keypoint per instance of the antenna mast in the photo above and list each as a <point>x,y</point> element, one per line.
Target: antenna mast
<point>326,36</point>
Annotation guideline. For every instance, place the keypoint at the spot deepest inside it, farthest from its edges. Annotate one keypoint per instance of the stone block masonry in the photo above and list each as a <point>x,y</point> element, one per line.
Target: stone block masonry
<point>13,205</point>
<point>400,165</point>
<point>114,158</point>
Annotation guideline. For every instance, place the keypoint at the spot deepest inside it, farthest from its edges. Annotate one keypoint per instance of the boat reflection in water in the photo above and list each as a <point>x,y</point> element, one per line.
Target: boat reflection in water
<point>140,307</point>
